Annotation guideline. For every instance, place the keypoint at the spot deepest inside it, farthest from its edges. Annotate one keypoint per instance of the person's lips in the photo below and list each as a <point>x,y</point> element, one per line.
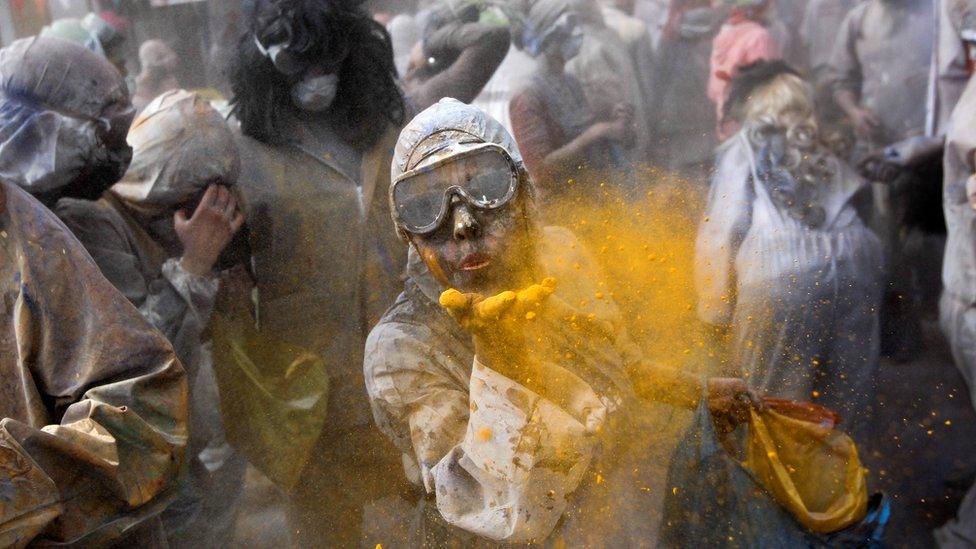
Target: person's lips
<point>474,262</point>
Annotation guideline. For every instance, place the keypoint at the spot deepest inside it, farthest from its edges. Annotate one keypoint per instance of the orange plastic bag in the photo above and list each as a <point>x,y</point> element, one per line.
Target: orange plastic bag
<point>810,468</point>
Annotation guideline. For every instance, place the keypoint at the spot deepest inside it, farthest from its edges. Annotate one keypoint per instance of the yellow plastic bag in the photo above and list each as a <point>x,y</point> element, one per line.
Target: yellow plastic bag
<point>811,469</point>
<point>273,398</point>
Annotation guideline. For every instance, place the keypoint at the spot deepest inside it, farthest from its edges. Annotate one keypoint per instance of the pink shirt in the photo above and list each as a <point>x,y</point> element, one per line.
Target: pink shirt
<point>738,43</point>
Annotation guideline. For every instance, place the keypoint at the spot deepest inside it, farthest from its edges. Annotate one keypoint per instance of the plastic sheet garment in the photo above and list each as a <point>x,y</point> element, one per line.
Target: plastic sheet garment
<point>57,102</point>
<point>180,145</point>
<point>802,302</point>
<point>957,309</point>
<point>92,400</point>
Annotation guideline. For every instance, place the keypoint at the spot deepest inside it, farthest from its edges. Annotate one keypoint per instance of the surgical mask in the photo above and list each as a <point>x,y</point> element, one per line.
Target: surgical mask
<point>315,94</point>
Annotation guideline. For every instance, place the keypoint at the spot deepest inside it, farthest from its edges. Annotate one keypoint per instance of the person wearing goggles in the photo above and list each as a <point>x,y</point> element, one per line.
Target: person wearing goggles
<point>316,93</point>
<point>496,362</point>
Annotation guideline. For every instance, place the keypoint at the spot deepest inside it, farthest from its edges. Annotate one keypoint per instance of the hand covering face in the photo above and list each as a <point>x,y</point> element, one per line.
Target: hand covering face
<point>180,146</point>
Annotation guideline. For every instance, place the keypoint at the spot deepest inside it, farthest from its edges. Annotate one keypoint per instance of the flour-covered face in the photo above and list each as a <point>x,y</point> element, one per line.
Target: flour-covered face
<point>465,214</point>
<point>474,250</point>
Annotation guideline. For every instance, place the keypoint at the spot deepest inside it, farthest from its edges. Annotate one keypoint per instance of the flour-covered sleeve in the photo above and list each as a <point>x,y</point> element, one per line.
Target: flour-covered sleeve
<point>174,301</point>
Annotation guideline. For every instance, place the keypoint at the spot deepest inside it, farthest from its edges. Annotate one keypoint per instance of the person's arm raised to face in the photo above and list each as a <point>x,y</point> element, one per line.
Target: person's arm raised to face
<point>482,48</point>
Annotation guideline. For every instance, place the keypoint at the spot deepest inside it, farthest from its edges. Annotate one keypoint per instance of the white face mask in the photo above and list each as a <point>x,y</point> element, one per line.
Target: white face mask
<point>315,94</point>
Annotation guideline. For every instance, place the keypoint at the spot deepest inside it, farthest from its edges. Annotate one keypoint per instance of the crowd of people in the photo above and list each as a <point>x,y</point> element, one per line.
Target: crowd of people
<point>369,267</point>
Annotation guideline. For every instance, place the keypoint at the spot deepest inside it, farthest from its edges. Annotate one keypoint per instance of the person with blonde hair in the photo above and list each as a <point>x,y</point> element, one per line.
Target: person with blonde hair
<point>783,259</point>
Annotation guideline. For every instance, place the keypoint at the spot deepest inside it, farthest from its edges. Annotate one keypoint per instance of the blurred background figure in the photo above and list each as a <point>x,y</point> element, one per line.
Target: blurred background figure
<point>783,258</point>
<point>683,115</point>
<point>743,39</point>
<point>818,32</point>
<point>654,14</point>
<point>562,140</point>
<point>157,72</point>
<point>398,16</point>
<point>880,71</point>
<point>634,34</point>
<point>104,33</point>
<point>456,34</point>
<point>611,75</point>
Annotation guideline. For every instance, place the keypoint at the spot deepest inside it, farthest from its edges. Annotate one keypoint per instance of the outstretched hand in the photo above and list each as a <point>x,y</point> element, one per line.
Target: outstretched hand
<point>500,324</point>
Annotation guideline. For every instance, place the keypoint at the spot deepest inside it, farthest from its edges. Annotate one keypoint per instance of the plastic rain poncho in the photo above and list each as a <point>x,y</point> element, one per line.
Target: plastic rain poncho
<point>802,301</point>
<point>498,460</point>
<point>92,400</point>
<point>957,309</point>
<point>57,101</point>
<point>181,145</point>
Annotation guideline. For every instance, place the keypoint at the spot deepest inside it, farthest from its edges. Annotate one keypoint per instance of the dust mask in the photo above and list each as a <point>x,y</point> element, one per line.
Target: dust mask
<point>315,94</point>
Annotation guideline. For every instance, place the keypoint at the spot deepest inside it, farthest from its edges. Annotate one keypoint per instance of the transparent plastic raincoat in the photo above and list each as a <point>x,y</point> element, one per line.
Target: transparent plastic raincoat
<point>802,301</point>
<point>60,105</point>
<point>180,146</point>
<point>92,400</point>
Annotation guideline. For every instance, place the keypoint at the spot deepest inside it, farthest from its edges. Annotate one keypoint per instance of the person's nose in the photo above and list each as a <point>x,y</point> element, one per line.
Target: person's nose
<point>466,227</point>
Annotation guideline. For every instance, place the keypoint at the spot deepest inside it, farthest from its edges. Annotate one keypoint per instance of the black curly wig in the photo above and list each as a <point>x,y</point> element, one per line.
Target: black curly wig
<point>317,32</point>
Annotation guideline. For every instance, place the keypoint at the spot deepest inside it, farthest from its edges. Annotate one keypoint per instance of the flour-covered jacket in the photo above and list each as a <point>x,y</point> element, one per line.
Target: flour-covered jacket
<point>502,461</point>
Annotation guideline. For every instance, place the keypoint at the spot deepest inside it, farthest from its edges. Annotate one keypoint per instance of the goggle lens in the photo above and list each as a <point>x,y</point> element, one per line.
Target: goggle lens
<point>485,179</point>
